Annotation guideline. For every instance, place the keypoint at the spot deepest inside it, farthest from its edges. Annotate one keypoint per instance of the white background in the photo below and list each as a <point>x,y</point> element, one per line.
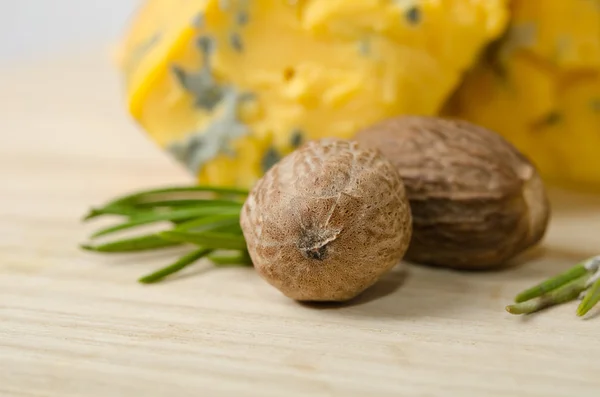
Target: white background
<point>36,28</point>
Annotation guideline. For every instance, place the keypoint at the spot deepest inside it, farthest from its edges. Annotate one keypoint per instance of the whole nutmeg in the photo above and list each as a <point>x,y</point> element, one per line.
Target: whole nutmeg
<point>327,221</point>
<point>476,201</point>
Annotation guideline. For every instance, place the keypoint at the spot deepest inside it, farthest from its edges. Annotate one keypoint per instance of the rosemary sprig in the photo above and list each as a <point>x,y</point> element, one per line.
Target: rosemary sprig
<point>583,279</point>
<point>207,218</point>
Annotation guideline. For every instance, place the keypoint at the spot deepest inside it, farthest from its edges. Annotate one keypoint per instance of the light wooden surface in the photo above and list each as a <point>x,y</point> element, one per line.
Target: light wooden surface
<point>77,324</point>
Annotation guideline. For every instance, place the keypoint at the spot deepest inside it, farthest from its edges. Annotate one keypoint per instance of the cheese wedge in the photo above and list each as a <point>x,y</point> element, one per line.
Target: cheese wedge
<point>229,87</point>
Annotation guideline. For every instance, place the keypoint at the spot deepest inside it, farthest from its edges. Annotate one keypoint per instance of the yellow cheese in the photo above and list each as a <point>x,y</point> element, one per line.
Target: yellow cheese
<point>566,33</point>
<point>228,87</point>
<point>540,88</point>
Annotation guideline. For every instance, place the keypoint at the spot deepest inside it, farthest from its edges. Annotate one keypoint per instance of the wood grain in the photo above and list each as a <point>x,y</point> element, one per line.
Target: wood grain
<point>77,324</point>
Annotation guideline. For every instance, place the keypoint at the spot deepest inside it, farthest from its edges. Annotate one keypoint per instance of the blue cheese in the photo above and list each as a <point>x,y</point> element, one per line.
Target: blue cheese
<point>315,68</point>
<point>202,146</point>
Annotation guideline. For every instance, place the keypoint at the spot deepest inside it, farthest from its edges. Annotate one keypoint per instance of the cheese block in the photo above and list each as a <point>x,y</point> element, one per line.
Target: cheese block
<point>539,86</point>
<point>229,87</point>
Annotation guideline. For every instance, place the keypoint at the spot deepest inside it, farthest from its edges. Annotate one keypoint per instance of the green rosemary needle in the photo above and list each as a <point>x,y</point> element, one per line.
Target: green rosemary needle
<point>134,244</point>
<point>207,239</point>
<point>234,258</point>
<point>552,283</point>
<point>179,265</point>
<point>591,298</point>
<point>144,218</point>
<point>157,194</point>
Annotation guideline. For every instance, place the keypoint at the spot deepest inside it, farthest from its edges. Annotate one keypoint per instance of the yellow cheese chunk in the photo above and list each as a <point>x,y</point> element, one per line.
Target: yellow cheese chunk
<point>540,88</point>
<point>566,33</point>
<point>229,87</point>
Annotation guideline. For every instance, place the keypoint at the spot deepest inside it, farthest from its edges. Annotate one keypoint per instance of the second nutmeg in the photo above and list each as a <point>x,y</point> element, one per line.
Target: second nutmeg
<point>476,201</point>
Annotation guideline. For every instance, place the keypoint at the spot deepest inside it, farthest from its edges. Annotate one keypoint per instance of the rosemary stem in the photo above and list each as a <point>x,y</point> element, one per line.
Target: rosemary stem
<point>568,292</point>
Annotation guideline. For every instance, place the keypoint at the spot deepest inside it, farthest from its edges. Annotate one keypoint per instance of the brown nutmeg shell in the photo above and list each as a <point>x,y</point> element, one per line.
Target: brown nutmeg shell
<point>327,221</point>
<point>476,201</point>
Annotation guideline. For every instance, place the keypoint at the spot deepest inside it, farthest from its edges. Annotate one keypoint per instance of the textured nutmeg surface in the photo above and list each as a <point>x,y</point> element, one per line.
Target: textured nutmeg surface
<point>327,221</point>
<point>476,201</point>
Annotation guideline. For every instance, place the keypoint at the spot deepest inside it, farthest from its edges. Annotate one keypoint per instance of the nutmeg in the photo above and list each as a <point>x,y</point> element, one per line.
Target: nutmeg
<point>476,201</point>
<point>327,221</point>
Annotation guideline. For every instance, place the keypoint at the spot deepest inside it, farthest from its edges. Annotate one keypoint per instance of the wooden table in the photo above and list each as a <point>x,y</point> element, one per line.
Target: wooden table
<point>78,324</point>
